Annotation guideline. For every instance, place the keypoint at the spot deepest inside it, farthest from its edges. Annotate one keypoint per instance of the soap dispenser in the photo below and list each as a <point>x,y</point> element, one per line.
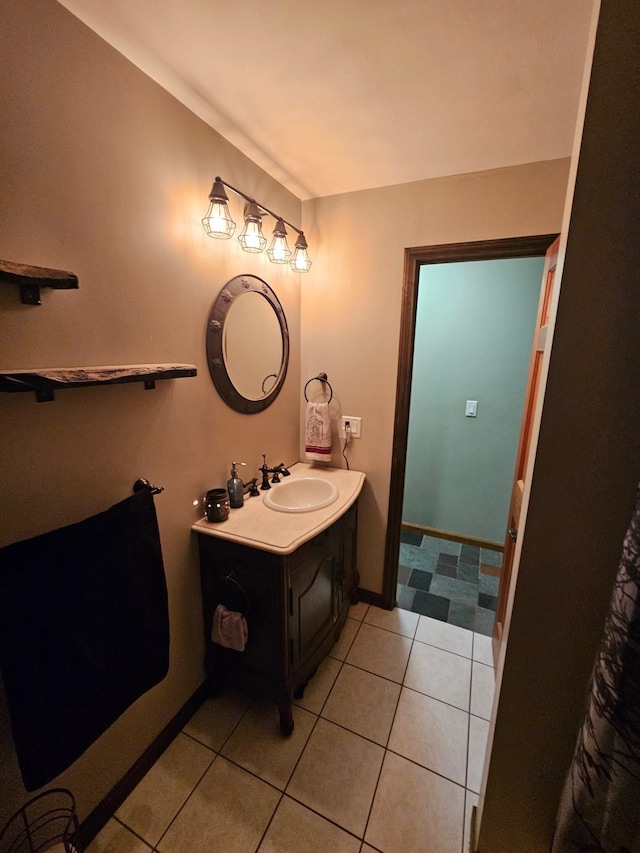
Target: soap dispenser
<point>235,487</point>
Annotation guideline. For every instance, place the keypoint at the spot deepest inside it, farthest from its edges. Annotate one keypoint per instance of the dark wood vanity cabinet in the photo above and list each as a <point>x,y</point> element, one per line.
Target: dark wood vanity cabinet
<point>295,606</point>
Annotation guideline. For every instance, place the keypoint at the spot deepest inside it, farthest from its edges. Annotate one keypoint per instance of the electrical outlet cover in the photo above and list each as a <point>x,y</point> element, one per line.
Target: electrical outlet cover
<point>354,423</point>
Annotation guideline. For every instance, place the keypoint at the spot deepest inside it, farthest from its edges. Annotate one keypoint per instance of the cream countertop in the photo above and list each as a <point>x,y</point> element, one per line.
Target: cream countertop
<point>258,526</point>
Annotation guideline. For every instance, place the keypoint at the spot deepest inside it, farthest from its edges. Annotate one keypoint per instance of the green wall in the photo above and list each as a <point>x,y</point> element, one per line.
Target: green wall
<point>474,331</point>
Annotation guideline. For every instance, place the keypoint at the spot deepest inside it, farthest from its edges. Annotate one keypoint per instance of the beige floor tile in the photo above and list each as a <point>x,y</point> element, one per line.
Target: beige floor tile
<point>482,649</point>
<point>399,621</point>
<point>439,674</point>
<point>296,828</point>
<point>451,638</point>
<point>380,652</point>
<point>337,776</point>
<point>363,703</point>
<point>156,799</point>
<point>358,611</point>
<point>341,648</point>
<point>216,718</point>
<point>478,735</point>
<point>229,810</point>
<point>397,825</point>
<point>319,687</point>
<point>470,802</point>
<point>258,745</point>
<point>116,838</point>
<point>431,734</point>
<point>483,688</point>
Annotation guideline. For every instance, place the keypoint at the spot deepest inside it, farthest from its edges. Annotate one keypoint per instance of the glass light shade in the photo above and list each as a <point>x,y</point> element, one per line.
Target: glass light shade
<point>217,221</point>
<point>300,261</point>
<point>252,239</point>
<point>279,252</point>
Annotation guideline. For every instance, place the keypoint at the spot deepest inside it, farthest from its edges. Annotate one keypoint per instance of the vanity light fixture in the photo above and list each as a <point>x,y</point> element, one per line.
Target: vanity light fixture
<point>218,223</point>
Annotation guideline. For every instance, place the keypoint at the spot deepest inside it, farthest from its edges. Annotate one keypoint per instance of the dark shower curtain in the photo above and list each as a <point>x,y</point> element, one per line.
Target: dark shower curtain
<point>600,805</point>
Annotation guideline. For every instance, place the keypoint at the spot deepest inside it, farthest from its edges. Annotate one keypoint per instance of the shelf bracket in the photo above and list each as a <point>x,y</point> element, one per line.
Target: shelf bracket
<point>30,279</point>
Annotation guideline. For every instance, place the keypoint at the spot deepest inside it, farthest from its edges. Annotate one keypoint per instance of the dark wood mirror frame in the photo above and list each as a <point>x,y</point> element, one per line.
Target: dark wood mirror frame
<point>233,289</point>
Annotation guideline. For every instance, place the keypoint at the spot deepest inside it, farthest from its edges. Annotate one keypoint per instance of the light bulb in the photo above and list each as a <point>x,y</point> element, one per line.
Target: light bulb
<point>252,238</point>
<point>217,221</point>
<point>279,252</point>
<point>300,261</point>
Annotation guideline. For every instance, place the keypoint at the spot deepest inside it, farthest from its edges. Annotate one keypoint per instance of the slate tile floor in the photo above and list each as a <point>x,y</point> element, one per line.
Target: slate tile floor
<point>449,581</point>
<point>386,755</point>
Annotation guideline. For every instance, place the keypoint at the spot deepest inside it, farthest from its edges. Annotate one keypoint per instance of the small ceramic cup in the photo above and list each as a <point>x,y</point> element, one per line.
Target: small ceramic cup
<point>216,505</point>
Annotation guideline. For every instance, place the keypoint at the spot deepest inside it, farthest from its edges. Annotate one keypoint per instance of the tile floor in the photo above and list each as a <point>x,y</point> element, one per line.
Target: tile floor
<point>386,755</point>
<point>449,581</point>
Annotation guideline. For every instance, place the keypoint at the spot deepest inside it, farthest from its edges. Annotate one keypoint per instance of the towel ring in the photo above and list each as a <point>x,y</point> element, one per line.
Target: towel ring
<point>232,579</point>
<point>321,377</point>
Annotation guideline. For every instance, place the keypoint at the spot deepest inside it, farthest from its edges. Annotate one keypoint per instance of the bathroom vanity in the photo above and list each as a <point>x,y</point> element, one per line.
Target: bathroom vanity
<point>293,575</point>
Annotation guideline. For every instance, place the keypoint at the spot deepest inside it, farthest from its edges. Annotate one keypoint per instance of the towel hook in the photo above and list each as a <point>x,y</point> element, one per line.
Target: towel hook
<point>321,377</point>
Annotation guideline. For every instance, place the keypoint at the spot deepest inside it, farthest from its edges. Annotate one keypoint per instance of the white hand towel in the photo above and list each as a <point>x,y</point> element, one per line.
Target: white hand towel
<point>317,436</point>
<point>229,628</point>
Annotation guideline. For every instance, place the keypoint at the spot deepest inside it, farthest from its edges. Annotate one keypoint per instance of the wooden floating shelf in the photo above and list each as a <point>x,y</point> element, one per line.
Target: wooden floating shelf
<point>30,279</point>
<point>48,380</point>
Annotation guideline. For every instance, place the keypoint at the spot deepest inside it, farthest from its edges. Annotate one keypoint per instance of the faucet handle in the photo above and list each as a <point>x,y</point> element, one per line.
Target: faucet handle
<point>265,473</point>
<point>284,470</point>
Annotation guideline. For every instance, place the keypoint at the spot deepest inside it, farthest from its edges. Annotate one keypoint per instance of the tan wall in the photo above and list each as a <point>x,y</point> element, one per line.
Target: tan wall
<point>351,299</point>
<point>587,462</point>
<point>105,174</point>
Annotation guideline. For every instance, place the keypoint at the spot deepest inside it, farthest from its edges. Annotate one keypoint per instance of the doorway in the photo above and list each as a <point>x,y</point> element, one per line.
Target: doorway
<point>415,260</point>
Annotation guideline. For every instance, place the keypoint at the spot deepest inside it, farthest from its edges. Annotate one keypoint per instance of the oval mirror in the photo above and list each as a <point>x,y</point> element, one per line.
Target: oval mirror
<point>247,344</point>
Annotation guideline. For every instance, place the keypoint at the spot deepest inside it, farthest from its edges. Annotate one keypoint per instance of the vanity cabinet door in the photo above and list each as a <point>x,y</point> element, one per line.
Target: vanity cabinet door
<point>314,603</point>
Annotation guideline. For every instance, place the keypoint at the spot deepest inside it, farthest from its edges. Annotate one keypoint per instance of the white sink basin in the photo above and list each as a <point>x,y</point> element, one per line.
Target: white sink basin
<point>301,495</point>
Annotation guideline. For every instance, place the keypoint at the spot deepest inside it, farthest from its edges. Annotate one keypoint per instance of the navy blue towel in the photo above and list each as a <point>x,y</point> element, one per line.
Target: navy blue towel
<point>84,632</point>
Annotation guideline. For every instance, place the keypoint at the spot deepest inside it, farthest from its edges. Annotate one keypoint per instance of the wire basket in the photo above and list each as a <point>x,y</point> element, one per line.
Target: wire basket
<point>48,822</point>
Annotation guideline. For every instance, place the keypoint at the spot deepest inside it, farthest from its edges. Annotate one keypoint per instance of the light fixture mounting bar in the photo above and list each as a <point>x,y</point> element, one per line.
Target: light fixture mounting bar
<point>261,206</point>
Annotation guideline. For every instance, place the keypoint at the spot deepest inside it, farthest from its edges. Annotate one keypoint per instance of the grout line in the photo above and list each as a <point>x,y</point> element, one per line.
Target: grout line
<point>436,699</point>
<point>173,819</point>
<point>324,817</point>
<point>440,648</point>
<point>129,829</point>
<point>270,821</point>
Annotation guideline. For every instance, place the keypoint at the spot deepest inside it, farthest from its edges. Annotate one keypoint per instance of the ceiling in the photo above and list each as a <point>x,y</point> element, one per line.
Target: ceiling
<point>331,96</point>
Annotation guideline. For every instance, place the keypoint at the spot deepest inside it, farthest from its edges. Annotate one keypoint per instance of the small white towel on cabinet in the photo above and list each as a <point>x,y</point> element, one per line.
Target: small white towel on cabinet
<point>317,435</point>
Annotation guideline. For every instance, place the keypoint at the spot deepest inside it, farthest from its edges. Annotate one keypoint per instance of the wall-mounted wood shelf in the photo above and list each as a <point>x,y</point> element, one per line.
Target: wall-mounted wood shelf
<point>45,382</point>
<point>30,279</point>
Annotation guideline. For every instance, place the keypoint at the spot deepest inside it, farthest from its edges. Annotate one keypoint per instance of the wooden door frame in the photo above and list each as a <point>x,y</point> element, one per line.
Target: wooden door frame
<point>481,250</point>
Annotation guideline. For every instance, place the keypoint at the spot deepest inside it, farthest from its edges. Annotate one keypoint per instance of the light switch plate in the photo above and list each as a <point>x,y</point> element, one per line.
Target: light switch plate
<point>471,410</point>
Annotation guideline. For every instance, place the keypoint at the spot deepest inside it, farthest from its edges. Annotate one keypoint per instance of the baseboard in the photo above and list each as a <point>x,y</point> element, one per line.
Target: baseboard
<point>375,598</point>
<point>452,537</point>
<point>107,807</point>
